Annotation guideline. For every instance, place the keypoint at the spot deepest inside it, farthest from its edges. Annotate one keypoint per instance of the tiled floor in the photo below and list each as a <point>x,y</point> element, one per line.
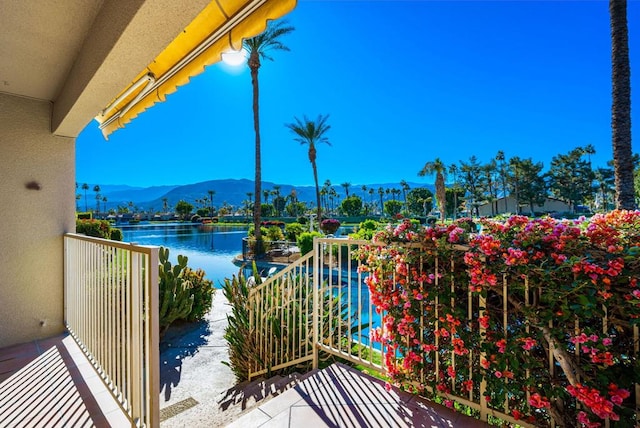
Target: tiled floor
<point>50,383</point>
<point>339,396</point>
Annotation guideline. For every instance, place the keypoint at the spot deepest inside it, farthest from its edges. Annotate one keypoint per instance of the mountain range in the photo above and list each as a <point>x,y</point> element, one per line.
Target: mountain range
<point>230,191</point>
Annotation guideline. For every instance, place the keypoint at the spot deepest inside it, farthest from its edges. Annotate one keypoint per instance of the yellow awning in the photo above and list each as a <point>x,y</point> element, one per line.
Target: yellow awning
<point>220,27</point>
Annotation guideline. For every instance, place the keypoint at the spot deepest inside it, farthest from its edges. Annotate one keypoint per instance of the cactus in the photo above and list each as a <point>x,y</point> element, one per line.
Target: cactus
<point>176,299</point>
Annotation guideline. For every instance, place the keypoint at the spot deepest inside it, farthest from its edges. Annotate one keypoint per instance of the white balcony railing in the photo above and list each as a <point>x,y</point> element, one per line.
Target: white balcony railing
<point>317,303</point>
<point>111,310</point>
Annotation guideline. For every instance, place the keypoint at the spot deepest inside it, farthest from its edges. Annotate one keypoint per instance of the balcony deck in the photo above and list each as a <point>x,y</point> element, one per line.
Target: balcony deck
<point>51,383</point>
<point>199,391</point>
<point>340,396</point>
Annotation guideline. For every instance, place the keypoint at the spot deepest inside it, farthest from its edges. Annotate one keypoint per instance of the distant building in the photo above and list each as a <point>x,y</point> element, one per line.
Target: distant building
<point>551,205</point>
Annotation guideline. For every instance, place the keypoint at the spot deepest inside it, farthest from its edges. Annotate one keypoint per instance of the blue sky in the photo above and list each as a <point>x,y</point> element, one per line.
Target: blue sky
<point>404,82</point>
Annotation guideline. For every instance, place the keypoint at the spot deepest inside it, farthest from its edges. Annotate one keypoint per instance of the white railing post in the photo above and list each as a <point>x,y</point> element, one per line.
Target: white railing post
<point>153,332</point>
<point>316,299</point>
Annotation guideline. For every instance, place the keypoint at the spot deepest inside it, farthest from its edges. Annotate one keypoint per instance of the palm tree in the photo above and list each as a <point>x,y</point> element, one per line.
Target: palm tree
<point>605,179</point>
<point>211,193</point>
<point>323,196</point>
<point>165,205</point>
<point>104,204</point>
<point>453,169</point>
<point>515,164</point>
<point>85,187</point>
<point>346,186</point>
<point>257,48</point>
<point>405,187</point>
<point>312,133</point>
<point>502,170</point>
<point>621,105</point>
<point>438,168</point>
<point>96,189</point>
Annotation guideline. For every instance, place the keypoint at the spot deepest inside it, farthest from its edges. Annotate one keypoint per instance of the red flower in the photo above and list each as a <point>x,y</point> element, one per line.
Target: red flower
<point>538,401</point>
<point>516,414</point>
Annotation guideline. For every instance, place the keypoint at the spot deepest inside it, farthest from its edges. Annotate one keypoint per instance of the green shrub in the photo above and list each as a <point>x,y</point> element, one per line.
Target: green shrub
<point>366,230</point>
<point>305,241</point>
<point>202,291</point>
<point>292,231</point>
<point>115,234</point>
<point>242,346</point>
<point>95,228</point>
<point>286,314</point>
<point>274,233</point>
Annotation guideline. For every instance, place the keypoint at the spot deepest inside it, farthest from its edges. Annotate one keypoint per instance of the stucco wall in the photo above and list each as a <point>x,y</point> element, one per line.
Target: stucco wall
<point>32,222</point>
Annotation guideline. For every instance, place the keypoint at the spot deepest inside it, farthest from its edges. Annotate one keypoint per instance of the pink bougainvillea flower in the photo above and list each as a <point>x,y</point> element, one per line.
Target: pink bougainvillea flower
<point>529,343</point>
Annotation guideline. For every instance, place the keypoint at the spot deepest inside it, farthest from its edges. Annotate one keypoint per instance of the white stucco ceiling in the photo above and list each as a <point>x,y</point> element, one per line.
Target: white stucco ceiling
<point>79,54</point>
<point>39,43</point>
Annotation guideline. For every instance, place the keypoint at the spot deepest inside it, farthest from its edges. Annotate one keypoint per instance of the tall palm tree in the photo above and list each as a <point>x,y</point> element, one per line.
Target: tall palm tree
<point>211,194</point>
<point>257,47</point>
<point>438,168</point>
<point>621,105</point>
<point>312,132</point>
<point>405,188</point>
<point>96,189</point>
<point>515,166</point>
<point>503,171</point>
<point>453,169</point>
<point>346,186</point>
<point>85,187</point>
<point>605,179</point>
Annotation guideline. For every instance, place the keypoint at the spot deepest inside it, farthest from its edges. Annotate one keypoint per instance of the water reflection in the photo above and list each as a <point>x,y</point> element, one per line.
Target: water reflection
<point>208,247</point>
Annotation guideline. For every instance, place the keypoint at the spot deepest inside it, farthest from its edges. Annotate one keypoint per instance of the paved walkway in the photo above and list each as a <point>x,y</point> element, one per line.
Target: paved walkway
<point>193,379</point>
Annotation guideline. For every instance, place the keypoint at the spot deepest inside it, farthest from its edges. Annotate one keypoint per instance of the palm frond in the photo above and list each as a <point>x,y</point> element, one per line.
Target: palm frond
<point>310,131</point>
<point>269,39</point>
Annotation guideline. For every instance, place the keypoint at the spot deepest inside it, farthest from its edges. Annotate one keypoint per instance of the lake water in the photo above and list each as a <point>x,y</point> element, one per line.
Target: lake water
<point>208,247</point>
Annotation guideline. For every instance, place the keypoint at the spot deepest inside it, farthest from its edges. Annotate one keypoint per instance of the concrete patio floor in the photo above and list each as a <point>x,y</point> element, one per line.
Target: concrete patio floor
<point>340,396</point>
<point>51,383</point>
<point>197,390</point>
